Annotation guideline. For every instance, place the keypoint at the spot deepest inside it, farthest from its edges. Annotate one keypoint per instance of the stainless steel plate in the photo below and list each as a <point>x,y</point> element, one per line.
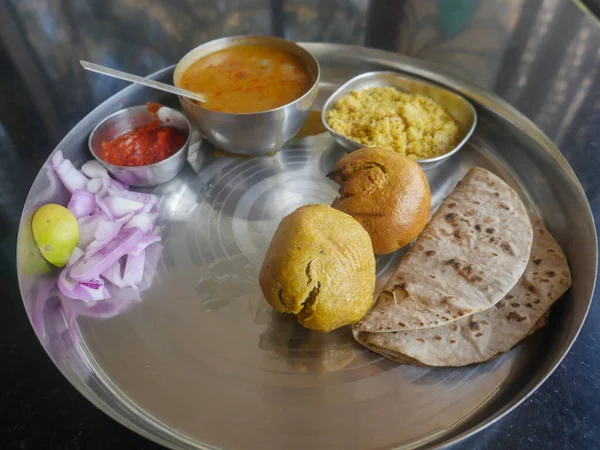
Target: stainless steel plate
<point>201,361</point>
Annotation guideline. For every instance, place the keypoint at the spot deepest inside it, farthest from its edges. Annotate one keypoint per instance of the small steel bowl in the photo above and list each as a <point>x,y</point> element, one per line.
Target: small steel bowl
<point>129,119</point>
<point>252,134</point>
<point>457,106</point>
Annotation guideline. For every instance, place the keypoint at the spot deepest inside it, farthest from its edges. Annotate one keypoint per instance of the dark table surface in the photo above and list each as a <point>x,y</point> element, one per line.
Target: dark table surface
<point>542,56</point>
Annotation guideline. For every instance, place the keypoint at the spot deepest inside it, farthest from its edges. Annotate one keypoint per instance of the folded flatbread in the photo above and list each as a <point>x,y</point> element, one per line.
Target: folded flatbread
<point>487,334</point>
<point>471,253</point>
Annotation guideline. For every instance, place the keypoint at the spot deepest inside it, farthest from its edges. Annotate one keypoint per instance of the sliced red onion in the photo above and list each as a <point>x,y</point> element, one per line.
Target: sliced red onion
<point>105,232</point>
<point>153,216</point>
<point>96,283</point>
<point>82,203</point>
<point>94,185</point>
<point>125,242</point>
<point>116,187</point>
<point>75,255</point>
<point>111,226</point>
<point>66,280</point>
<point>71,178</point>
<point>144,222</point>
<point>144,242</point>
<point>153,253</point>
<point>93,169</point>
<point>64,276</point>
<point>90,291</point>
<point>120,206</point>
<point>86,233</point>
<point>104,207</point>
<point>149,200</point>
<point>134,269</point>
<point>98,186</point>
<point>114,275</point>
<point>148,207</point>
<point>141,197</point>
<point>126,218</point>
<point>87,227</point>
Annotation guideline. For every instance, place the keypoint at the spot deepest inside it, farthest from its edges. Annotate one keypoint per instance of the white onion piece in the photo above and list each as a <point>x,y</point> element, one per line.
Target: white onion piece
<point>71,178</point>
<point>82,203</point>
<point>93,169</point>
<point>134,269</point>
<point>124,243</point>
<point>144,242</point>
<point>119,206</point>
<point>113,274</point>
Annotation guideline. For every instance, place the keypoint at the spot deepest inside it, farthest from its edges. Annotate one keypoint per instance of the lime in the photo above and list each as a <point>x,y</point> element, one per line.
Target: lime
<point>56,233</point>
<point>30,259</point>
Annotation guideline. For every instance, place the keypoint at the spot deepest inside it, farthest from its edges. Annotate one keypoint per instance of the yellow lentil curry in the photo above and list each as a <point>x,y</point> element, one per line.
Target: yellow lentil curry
<point>411,124</point>
<point>248,78</point>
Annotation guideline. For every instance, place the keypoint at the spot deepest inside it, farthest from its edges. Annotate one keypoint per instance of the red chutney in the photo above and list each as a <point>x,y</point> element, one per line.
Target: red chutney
<point>143,146</point>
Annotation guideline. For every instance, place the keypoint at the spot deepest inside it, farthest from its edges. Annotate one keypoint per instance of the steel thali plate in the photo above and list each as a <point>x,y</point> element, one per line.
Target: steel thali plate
<point>201,360</point>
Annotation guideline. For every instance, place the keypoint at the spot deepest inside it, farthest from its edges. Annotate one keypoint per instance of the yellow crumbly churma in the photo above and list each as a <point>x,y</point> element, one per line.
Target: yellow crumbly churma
<point>411,124</point>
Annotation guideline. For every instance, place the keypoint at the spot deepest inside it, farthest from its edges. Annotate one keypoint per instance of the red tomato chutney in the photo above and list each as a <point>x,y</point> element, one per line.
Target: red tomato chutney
<point>143,146</point>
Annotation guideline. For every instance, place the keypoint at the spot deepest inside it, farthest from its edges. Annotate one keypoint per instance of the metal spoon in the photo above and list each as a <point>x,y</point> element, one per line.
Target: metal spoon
<point>141,80</point>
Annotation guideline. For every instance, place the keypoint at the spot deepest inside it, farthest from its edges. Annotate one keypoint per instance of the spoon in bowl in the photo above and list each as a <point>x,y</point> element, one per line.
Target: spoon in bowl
<point>141,80</point>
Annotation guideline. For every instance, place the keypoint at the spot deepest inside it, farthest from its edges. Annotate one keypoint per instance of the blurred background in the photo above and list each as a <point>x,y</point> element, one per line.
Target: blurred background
<point>539,49</point>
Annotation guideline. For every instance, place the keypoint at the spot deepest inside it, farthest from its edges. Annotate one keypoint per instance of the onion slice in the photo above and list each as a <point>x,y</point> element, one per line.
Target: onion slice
<point>144,222</point>
<point>89,291</point>
<point>120,206</point>
<point>82,203</point>
<point>116,187</point>
<point>125,242</point>
<point>115,228</point>
<point>98,186</point>
<point>141,197</point>
<point>88,226</point>
<point>114,275</point>
<point>93,169</point>
<point>71,178</point>
<point>104,207</point>
<point>143,243</point>
<point>134,269</point>
<point>105,232</point>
